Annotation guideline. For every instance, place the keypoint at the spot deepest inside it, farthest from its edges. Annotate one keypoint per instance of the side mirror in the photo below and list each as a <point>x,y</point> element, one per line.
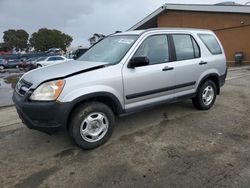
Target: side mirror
<point>138,62</point>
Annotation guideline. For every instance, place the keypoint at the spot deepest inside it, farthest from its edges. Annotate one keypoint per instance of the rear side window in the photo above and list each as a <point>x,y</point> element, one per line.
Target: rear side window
<point>185,47</point>
<point>211,43</point>
<point>59,58</point>
<point>52,59</point>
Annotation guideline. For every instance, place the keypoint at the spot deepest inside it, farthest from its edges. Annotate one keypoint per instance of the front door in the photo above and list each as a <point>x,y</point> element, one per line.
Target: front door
<point>152,83</point>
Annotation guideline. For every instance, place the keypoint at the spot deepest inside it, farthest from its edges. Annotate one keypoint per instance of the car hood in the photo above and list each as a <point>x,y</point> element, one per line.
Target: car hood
<point>61,70</point>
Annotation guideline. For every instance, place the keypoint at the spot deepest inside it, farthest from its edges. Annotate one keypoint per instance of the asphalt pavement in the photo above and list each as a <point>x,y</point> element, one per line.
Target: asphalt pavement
<point>168,146</point>
<point>8,80</point>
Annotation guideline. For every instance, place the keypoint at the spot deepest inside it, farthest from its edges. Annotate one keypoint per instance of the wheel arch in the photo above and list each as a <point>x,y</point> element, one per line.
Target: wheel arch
<point>212,76</point>
<point>104,97</point>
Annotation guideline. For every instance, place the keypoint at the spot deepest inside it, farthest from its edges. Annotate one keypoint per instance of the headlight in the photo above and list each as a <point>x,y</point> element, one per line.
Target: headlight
<point>48,91</point>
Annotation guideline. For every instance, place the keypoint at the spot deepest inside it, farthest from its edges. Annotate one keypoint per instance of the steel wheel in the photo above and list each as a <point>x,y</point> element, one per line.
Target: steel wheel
<point>94,127</point>
<point>208,95</point>
<point>91,124</point>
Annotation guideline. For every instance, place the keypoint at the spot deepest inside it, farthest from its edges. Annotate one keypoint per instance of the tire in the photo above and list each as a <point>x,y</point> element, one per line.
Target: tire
<point>38,66</point>
<point>204,101</point>
<point>1,67</point>
<point>88,119</point>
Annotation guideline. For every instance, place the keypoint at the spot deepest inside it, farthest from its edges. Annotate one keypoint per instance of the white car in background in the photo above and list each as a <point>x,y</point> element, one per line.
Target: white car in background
<point>51,60</point>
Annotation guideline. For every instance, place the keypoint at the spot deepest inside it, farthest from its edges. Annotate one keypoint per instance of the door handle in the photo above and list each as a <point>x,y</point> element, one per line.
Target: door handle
<point>203,63</point>
<point>167,68</point>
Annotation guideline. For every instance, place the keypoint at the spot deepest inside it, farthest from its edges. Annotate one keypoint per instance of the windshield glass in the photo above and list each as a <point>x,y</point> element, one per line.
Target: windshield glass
<point>110,50</point>
<point>41,59</point>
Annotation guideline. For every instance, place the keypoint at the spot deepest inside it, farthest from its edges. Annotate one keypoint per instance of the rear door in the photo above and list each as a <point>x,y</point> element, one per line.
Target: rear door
<point>189,65</point>
<point>153,83</point>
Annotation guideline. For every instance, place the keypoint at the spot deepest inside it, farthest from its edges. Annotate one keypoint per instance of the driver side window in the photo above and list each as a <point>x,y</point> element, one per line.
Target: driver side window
<point>155,48</point>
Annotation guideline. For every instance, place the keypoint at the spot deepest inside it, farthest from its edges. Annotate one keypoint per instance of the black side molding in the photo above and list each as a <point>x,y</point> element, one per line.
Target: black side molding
<point>151,92</point>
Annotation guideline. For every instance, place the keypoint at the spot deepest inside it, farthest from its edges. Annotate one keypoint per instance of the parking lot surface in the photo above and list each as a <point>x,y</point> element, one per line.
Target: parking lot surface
<point>8,80</point>
<point>168,146</point>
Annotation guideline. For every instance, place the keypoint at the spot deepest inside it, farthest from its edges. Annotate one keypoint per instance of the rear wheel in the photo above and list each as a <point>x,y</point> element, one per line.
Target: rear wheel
<point>206,95</point>
<point>92,125</point>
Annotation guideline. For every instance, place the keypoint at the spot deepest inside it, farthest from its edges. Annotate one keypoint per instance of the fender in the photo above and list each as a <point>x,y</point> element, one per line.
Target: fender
<point>116,101</point>
<point>217,81</point>
<point>83,98</point>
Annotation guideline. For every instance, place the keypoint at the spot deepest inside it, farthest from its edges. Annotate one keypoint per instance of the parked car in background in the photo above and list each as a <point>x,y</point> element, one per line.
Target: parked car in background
<point>46,61</point>
<point>78,52</point>
<point>29,64</point>
<point>3,63</point>
<point>10,64</point>
<point>22,56</point>
<point>40,59</point>
<point>53,50</point>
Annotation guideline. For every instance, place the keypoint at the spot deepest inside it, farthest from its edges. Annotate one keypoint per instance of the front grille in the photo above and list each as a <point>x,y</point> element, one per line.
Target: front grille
<point>23,87</point>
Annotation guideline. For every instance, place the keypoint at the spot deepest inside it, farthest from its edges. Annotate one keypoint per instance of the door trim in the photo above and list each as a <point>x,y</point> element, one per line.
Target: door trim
<point>151,92</point>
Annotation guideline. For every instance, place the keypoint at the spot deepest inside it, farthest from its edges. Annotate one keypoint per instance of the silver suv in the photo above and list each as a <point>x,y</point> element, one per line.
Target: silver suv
<point>121,74</point>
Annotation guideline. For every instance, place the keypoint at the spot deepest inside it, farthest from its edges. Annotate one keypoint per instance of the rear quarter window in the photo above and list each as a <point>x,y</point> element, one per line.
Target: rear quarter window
<point>211,43</point>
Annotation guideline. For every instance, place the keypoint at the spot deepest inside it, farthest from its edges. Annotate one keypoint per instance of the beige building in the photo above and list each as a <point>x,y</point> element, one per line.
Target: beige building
<point>231,23</point>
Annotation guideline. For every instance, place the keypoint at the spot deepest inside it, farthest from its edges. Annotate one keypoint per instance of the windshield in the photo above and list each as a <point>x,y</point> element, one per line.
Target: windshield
<point>110,50</point>
<point>41,59</point>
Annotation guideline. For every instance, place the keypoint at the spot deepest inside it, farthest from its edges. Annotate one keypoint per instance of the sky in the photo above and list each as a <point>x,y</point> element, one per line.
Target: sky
<point>80,18</point>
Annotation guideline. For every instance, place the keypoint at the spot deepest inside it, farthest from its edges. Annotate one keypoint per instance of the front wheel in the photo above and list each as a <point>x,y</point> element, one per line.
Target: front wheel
<point>92,125</point>
<point>1,67</point>
<point>206,95</point>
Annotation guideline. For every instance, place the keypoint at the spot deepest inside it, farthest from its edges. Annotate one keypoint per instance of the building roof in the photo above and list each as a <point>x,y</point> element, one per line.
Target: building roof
<point>152,18</point>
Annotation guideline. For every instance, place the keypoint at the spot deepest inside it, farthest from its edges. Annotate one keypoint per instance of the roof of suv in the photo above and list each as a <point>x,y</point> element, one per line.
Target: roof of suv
<point>139,32</point>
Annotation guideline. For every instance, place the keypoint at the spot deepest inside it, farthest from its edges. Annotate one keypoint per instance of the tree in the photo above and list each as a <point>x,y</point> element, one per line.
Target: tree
<point>95,38</point>
<point>17,39</point>
<point>3,47</point>
<point>44,39</point>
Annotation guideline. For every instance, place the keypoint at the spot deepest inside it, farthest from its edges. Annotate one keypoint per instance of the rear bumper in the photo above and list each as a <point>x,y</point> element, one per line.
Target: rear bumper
<point>43,116</point>
<point>222,79</point>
